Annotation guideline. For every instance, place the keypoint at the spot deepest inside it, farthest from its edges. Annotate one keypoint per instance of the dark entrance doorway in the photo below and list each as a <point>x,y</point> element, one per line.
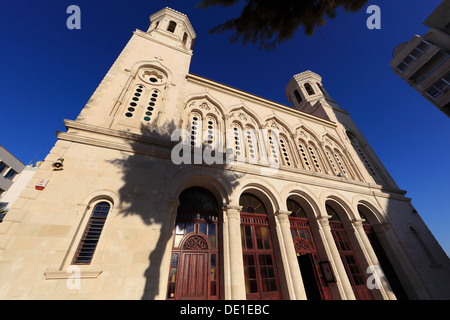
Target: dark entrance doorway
<point>309,276</point>
<point>307,257</point>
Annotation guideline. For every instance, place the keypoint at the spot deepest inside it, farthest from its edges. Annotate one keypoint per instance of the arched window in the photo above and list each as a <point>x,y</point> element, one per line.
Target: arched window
<point>172,26</point>
<point>194,266</point>
<point>238,145</point>
<point>285,151</point>
<point>303,155</point>
<point>196,129</point>
<point>153,103</point>
<point>363,155</point>
<point>91,235</point>
<point>211,129</point>
<point>135,99</point>
<point>252,144</point>
<point>340,162</point>
<point>322,89</point>
<point>274,153</point>
<point>315,157</point>
<point>251,204</point>
<point>297,96</point>
<point>309,89</point>
<point>260,270</point>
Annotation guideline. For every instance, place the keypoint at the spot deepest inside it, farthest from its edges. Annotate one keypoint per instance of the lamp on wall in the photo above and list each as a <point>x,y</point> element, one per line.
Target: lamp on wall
<point>58,164</point>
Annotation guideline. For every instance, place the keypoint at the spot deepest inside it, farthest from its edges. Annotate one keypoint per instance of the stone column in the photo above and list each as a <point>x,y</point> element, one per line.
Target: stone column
<point>234,259</point>
<point>297,289</point>
<point>167,238</point>
<point>342,281</point>
<point>385,288</point>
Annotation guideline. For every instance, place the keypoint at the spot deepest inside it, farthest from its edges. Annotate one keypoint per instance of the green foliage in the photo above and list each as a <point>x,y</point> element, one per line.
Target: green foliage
<point>268,23</point>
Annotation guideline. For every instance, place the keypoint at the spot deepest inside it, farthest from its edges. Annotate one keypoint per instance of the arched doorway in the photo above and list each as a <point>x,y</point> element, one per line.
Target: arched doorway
<point>307,256</point>
<point>348,256</point>
<point>194,266</point>
<point>260,270</point>
<point>383,259</point>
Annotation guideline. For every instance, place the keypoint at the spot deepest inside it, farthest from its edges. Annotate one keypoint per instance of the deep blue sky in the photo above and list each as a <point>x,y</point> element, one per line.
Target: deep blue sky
<point>48,73</point>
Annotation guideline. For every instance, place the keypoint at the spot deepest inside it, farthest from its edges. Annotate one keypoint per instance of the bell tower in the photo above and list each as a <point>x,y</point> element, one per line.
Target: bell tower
<point>173,28</point>
<point>306,93</point>
<point>140,92</point>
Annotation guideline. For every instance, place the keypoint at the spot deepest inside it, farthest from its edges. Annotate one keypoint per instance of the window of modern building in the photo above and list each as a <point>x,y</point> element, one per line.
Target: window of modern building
<point>415,54</point>
<point>91,235</point>
<point>439,87</point>
<point>3,166</point>
<point>429,67</point>
<point>10,174</point>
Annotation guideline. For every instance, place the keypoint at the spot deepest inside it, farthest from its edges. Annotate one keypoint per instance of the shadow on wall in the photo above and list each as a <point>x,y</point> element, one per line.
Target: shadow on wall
<point>147,192</point>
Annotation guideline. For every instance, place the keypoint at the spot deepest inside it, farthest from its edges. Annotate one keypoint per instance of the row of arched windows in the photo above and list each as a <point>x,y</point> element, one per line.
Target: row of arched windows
<point>274,144</point>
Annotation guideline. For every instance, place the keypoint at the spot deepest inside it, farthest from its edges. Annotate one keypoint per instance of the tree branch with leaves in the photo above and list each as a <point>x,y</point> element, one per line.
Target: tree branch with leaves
<point>268,23</point>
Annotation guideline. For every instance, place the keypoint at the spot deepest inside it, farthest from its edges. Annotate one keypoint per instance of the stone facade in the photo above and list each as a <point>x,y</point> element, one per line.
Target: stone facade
<point>119,152</point>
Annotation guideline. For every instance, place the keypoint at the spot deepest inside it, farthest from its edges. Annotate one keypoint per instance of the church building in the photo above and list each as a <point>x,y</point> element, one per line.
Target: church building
<point>171,186</point>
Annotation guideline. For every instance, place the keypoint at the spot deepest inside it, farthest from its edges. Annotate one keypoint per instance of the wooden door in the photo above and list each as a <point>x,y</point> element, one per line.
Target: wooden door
<point>194,279</point>
<point>348,257</point>
<point>260,271</point>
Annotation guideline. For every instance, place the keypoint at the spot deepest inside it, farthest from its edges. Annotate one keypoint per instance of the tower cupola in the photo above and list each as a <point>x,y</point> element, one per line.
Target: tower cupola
<point>172,27</point>
<point>306,93</point>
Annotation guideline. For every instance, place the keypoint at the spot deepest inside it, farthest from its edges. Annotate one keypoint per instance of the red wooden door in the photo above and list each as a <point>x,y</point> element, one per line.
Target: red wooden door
<point>194,280</point>
<point>348,256</point>
<point>261,276</point>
